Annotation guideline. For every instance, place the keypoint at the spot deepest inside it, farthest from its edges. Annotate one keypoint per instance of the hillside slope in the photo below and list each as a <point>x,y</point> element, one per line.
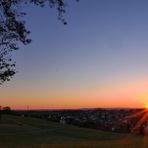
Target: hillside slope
<point>29,132</point>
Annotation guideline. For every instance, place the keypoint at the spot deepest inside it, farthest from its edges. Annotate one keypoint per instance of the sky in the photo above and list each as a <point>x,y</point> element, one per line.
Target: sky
<point>100,59</point>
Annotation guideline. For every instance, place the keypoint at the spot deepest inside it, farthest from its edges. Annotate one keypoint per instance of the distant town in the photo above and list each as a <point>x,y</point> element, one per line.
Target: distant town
<point>113,120</point>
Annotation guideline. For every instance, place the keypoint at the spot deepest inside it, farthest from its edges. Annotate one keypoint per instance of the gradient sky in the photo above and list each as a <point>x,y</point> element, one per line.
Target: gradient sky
<point>100,59</point>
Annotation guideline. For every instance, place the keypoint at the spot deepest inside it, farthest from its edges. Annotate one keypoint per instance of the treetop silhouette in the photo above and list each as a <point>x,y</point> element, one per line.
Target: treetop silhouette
<point>13,30</point>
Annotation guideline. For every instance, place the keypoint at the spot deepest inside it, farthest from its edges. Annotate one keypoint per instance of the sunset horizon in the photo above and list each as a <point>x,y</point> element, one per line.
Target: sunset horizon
<point>73,73</point>
<point>98,60</point>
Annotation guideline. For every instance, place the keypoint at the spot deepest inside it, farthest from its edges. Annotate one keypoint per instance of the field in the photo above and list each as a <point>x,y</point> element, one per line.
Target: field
<point>26,132</point>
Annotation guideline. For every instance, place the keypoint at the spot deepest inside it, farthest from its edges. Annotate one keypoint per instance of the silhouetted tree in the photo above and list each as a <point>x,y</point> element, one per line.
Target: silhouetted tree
<point>6,110</point>
<point>13,30</point>
<point>0,113</point>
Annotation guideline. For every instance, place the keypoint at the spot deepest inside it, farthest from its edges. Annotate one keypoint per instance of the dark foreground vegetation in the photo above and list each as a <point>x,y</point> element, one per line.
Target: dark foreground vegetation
<point>27,132</point>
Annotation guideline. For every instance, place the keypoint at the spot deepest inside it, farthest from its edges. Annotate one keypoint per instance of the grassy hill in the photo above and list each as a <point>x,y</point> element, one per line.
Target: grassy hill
<point>26,132</point>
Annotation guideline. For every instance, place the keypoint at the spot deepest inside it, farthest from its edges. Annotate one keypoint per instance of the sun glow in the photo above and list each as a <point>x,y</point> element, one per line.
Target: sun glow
<point>146,105</point>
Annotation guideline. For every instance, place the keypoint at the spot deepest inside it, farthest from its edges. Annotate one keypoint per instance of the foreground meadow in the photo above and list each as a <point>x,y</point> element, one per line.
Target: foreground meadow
<point>26,132</point>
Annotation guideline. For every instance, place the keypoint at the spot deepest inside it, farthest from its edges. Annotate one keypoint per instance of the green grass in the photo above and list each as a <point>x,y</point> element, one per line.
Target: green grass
<point>26,132</point>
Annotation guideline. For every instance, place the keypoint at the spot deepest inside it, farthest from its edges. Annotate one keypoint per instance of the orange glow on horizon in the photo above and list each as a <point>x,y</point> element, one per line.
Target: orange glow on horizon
<point>128,94</point>
<point>73,104</point>
<point>146,106</point>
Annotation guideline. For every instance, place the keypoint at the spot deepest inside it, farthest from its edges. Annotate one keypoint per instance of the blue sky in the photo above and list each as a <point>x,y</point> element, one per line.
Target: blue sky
<point>104,44</point>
